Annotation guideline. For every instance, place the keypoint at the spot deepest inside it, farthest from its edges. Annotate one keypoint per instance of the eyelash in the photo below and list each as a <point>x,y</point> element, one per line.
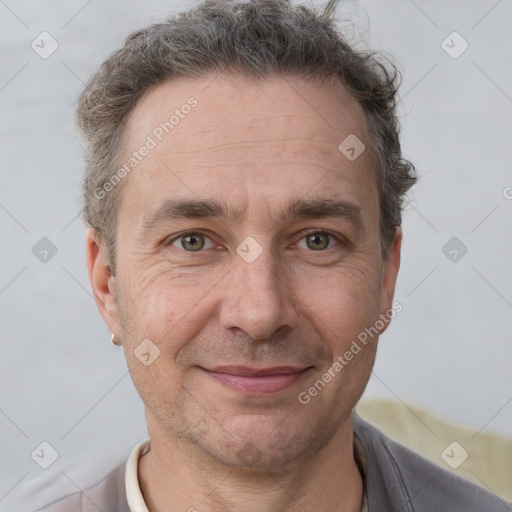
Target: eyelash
<point>341,241</point>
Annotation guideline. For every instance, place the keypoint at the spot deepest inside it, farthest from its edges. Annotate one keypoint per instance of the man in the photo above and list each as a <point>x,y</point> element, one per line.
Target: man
<point>243,191</point>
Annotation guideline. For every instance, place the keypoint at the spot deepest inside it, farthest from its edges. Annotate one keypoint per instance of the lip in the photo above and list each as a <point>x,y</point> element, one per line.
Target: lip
<point>257,380</point>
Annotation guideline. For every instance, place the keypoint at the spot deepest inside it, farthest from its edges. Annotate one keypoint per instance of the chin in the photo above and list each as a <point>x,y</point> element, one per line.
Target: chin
<point>263,444</point>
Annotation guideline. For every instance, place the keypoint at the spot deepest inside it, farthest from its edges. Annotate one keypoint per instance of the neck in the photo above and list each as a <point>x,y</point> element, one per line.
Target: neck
<point>174,476</point>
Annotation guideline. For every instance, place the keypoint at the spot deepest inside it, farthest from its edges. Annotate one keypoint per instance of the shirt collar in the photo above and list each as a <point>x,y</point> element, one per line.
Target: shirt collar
<point>134,496</point>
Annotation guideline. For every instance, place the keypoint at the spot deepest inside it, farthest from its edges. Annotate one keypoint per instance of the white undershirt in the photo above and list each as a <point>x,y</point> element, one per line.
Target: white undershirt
<point>133,493</point>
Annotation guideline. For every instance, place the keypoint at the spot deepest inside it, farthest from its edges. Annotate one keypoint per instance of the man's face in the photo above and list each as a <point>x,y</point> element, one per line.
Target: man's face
<point>277,288</point>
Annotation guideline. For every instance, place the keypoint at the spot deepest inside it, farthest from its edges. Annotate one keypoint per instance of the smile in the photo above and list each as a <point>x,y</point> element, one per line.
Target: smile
<point>257,381</point>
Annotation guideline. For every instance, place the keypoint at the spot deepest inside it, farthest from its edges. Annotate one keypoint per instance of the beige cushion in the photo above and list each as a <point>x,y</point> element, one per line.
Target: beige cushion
<point>489,456</point>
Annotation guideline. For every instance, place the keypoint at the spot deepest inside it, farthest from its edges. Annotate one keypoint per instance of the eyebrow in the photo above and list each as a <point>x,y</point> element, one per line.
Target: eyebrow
<point>211,208</point>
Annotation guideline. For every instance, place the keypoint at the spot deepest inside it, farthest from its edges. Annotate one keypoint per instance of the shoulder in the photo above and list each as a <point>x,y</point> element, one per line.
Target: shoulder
<point>70,503</point>
<point>408,481</point>
<point>108,494</point>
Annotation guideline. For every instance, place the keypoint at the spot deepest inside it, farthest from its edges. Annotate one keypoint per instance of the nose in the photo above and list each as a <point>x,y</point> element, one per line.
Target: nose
<point>258,299</point>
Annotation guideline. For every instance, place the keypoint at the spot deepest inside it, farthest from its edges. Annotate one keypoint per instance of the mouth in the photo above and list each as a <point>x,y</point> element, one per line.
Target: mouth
<point>257,381</point>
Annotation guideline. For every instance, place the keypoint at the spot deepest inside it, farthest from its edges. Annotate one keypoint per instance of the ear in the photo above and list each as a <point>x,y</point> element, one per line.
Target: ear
<point>389,275</point>
<point>102,282</point>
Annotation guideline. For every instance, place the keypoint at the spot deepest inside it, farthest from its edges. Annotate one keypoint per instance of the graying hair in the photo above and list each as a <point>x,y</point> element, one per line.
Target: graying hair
<point>255,39</point>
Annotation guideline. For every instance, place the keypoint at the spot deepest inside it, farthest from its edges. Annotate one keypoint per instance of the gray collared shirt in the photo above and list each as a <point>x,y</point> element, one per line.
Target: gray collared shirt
<point>395,480</point>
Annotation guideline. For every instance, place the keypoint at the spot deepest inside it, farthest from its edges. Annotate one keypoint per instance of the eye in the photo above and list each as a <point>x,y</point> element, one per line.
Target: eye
<point>191,241</point>
<point>318,240</point>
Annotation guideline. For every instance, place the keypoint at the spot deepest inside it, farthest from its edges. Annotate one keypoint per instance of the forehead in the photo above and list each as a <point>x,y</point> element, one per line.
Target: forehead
<point>254,140</point>
<point>321,112</point>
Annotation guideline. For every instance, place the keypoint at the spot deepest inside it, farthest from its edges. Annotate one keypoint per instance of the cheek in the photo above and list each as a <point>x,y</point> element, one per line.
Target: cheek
<point>165,307</point>
<point>340,303</point>
<point>342,306</point>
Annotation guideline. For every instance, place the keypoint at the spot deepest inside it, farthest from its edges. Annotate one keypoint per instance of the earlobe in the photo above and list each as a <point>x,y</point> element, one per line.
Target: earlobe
<point>102,281</point>
<point>389,275</point>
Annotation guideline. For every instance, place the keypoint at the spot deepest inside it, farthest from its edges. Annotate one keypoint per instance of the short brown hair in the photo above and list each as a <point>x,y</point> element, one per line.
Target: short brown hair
<point>255,39</point>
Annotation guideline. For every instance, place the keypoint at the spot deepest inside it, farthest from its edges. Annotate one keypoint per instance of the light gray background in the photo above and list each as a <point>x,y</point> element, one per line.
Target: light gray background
<point>450,348</point>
